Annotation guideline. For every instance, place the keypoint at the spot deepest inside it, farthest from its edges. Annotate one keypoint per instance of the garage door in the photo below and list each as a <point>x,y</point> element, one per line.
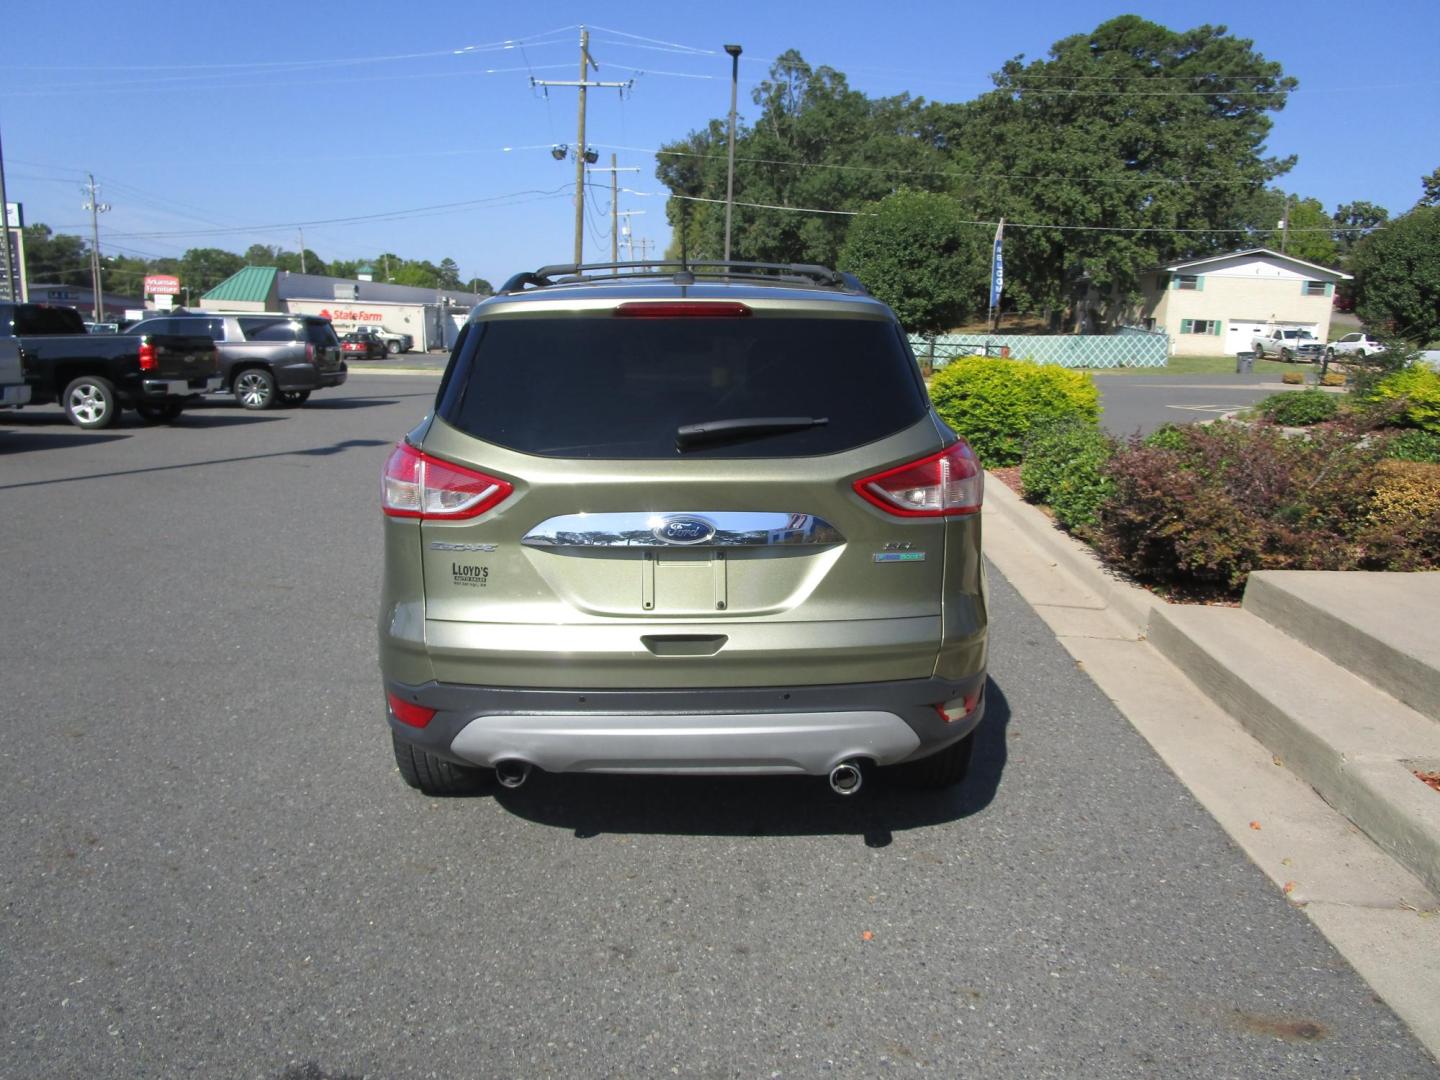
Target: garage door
<point>1239,333</point>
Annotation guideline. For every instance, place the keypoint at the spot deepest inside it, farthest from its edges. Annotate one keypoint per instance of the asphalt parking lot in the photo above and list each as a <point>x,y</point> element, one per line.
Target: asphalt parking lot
<point>211,867</point>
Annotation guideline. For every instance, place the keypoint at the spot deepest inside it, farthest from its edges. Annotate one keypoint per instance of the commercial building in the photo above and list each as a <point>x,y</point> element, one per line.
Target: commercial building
<point>82,299</point>
<point>424,314</point>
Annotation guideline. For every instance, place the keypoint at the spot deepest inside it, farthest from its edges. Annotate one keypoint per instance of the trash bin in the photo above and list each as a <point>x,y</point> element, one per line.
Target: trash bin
<point>1244,363</point>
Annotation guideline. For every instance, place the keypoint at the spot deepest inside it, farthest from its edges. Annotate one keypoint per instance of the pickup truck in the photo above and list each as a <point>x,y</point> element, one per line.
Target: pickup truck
<point>96,376</point>
<point>265,358</point>
<point>1286,344</point>
<point>13,391</point>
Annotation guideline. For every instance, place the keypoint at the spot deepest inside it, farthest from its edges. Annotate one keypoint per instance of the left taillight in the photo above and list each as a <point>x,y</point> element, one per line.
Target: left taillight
<point>407,712</point>
<point>416,485</point>
<point>148,360</point>
<point>948,483</point>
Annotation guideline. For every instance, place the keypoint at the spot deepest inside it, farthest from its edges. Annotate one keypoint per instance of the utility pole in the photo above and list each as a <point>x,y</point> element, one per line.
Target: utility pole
<point>615,172</point>
<point>734,51</point>
<point>629,234</point>
<point>581,150</point>
<point>96,208</point>
<point>1285,226</point>
<point>302,251</point>
<point>12,291</point>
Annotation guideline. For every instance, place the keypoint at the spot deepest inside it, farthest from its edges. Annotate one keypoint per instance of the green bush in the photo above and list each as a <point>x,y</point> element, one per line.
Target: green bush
<point>1415,445</point>
<point>1064,468</point>
<point>994,403</point>
<point>1300,408</point>
<point>1419,389</point>
<point>1166,437</point>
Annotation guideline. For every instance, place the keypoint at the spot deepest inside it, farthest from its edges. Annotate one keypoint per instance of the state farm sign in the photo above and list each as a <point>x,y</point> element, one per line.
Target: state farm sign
<point>162,285</point>
<point>351,315</point>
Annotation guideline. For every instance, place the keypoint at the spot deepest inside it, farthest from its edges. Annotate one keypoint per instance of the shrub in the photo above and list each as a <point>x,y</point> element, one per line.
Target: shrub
<point>1419,389</point>
<point>1332,378</point>
<point>1300,408</point>
<point>1414,445</point>
<point>1064,468</point>
<point>1293,378</point>
<point>1167,437</point>
<point>1216,502</point>
<point>1403,525</point>
<point>994,403</point>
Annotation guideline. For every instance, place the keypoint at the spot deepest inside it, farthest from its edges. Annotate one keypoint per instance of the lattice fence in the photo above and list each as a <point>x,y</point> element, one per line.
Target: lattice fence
<point>1128,347</point>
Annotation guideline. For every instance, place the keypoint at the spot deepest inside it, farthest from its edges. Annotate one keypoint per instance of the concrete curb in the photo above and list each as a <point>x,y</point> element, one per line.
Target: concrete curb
<point>1128,603</point>
<point>1370,788</point>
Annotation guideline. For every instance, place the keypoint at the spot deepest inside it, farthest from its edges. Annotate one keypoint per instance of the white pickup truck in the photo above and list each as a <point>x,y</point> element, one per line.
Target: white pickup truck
<point>1286,344</point>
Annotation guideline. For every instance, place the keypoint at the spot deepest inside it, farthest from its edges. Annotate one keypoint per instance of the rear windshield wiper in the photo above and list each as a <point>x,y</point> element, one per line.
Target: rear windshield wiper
<point>713,431</point>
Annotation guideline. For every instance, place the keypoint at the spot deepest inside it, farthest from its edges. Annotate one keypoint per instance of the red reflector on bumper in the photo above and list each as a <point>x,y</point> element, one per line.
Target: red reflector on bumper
<point>959,708</point>
<point>408,712</point>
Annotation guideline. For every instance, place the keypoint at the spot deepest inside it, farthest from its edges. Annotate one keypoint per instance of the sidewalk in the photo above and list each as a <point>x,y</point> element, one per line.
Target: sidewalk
<point>1182,674</point>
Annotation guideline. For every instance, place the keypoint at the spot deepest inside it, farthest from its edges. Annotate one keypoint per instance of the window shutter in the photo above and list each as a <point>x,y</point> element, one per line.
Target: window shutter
<point>1185,325</point>
<point>1329,288</point>
<point>1215,327</point>
<point>1199,282</point>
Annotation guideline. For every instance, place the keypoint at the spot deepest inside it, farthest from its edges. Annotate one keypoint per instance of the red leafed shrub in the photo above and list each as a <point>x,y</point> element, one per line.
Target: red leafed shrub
<point>1201,508</point>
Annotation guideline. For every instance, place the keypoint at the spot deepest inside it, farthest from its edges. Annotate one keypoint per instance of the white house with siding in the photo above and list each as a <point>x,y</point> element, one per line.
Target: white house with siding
<point>1221,304</point>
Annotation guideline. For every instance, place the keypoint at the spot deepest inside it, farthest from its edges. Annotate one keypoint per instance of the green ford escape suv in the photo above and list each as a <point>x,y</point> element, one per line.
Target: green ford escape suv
<point>695,519</point>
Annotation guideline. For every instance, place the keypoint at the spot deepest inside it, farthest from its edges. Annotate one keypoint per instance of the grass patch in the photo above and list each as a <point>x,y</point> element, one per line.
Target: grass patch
<point>1203,365</point>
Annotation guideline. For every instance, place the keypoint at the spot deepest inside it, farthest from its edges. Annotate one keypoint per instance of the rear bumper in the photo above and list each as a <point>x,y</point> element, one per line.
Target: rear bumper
<point>159,389</point>
<point>770,730</point>
<point>308,377</point>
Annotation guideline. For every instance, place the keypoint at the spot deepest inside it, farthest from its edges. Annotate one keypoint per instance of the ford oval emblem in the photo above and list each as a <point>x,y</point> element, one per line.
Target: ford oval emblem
<point>684,529</point>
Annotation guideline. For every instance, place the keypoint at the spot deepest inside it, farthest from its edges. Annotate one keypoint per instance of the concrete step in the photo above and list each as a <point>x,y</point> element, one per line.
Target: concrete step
<point>1383,627</point>
<point>1354,744</point>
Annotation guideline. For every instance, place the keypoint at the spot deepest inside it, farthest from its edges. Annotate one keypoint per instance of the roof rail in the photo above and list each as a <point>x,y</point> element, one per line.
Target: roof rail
<point>684,272</point>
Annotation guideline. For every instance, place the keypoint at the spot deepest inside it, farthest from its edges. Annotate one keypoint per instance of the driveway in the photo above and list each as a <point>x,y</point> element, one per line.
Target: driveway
<point>210,866</point>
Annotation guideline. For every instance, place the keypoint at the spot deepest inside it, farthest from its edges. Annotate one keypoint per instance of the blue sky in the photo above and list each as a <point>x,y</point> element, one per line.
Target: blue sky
<point>412,128</point>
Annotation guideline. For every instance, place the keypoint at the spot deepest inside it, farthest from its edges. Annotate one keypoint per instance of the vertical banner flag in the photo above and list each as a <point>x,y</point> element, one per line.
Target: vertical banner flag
<point>997,266</point>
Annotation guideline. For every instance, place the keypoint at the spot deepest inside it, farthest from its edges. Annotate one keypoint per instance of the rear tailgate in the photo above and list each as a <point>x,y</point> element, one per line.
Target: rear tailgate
<point>182,356</point>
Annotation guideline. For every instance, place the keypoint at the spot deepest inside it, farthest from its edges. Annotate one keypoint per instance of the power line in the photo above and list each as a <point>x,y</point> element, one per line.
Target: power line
<point>1008,223</point>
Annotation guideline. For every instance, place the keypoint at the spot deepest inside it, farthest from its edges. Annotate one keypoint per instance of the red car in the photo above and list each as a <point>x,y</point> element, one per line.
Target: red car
<point>360,345</point>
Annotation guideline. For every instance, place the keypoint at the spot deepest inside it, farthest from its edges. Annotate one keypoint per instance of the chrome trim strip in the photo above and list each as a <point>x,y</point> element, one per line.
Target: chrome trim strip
<point>648,530</point>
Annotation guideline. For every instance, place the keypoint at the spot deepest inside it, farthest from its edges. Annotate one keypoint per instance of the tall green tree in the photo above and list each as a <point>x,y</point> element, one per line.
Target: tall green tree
<point>1309,235</point>
<point>1397,277</point>
<point>1136,144</point>
<point>201,269</point>
<point>1354,219</point>
<point>915,251</point>
<point>55,257</point>
<point>449,273</point>
<point>1430,186</point>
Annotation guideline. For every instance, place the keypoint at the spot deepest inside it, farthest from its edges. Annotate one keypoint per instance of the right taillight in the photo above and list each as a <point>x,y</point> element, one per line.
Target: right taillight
<point>416,485</point>
<point>148,361</point>
<point>948,483</point>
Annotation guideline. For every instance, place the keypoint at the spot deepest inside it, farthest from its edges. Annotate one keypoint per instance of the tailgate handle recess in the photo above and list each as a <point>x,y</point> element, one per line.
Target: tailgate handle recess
<point>684,644</point>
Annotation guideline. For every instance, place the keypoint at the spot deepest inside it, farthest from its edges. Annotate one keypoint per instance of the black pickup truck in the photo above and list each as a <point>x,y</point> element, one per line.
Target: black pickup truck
<point>95,376</point>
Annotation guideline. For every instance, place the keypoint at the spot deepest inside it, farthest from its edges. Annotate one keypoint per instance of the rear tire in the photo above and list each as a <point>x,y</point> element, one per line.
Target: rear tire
<point>433,775</point>
<point>294,398</point>
<point>255,389</point>
<point>90,402</point>
<point>949,766</point>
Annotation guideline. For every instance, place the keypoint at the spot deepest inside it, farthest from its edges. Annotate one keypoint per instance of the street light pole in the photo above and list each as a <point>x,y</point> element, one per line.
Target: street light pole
<point>12,289</point>
<point>734,51</point>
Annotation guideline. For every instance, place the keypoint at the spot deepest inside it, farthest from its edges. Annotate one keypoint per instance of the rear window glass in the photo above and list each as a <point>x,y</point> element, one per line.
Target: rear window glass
<point>39,320</point>
<point>320,333</point>
<point>606,387</point>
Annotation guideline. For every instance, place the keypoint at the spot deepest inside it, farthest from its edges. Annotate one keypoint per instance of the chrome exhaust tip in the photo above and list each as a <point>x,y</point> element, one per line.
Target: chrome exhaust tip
<point>512,772</point>
<point>846,778</point>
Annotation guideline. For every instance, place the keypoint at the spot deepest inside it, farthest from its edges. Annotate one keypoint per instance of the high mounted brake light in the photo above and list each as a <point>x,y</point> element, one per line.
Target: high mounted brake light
<point>681,309</point>
<point>416,485</point>
<point>944,484</point>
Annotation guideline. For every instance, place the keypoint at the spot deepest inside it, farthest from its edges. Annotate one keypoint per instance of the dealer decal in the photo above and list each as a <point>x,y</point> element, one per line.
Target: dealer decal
<point>899,556</point>
<point>472,577</point>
